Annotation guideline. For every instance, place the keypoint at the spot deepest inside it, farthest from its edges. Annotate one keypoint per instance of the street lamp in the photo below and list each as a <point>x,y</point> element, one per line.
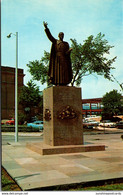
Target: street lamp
<point>16,87</point>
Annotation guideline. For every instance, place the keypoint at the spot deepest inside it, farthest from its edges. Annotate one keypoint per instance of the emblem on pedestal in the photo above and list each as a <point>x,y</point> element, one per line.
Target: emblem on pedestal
<point>67,113</point>
<point>47,115</point>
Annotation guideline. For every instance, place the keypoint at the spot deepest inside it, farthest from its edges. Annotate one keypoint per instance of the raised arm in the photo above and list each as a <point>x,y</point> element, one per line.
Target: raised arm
<point>48,33</point>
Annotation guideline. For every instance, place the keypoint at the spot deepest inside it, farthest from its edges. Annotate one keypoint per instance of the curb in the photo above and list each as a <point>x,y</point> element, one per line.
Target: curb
<point>24,134</point>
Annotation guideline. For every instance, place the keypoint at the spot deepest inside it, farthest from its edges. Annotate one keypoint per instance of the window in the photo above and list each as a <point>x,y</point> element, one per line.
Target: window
<point>86,106</point>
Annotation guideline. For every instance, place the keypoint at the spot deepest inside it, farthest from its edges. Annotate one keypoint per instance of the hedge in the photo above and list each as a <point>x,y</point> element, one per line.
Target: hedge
<point>11,128</point>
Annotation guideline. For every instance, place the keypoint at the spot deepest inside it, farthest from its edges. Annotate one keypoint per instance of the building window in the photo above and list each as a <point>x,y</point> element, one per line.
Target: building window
<point>93,106</point>
<point>86,106</point>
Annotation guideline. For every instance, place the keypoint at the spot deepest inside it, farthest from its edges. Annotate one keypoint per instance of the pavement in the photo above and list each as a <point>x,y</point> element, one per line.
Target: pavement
<point>33,171</point>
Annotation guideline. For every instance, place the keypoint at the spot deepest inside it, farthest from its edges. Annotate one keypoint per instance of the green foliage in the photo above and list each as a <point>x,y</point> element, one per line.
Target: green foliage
<point>113,103</point>
<point>104,187</point>
<point>30,95</point>
<point>21,118</point>
<point>90,58</point>
<point>39,69</point>
<point>86,59</point>
<point>8,184</point>
<point>30,99</point>
<point>21,128</point>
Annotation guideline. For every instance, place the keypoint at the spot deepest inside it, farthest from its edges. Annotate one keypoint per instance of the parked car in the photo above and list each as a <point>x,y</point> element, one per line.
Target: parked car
<point>120,125</point>
<point>90,124</point>
<point>10,122</point>
<point>107,123</point>
<point>36,124</point>
<point>91,116</point>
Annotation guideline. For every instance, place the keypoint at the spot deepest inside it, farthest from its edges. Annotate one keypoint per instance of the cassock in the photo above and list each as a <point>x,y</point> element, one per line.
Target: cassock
<point>60,70</point>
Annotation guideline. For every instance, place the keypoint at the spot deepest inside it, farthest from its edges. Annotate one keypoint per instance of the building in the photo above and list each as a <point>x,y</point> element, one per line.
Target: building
<point>8,90</point>
<point>92,106</point>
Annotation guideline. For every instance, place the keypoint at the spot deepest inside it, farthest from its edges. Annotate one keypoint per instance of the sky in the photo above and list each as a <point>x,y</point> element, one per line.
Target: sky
<point>77,19</point>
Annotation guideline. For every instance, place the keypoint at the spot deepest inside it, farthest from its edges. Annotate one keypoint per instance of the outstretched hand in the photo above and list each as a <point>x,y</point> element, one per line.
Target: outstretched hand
<point>45,24</point>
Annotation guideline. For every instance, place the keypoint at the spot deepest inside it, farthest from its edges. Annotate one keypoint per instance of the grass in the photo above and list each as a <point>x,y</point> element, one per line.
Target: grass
<point>109,187</point>
<point>8,184</point>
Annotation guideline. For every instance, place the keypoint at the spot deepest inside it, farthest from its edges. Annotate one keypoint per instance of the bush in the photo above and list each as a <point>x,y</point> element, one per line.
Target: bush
<point>21,118</point>
<point>21,128</point>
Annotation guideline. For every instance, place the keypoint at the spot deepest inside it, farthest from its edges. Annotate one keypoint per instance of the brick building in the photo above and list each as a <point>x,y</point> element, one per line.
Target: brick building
<point>92,106</point>
<point>8,90</point>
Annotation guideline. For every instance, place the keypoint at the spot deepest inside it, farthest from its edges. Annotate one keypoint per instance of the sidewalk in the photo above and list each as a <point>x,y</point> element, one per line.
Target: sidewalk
<point>32,171</point>
<point>24,133</point>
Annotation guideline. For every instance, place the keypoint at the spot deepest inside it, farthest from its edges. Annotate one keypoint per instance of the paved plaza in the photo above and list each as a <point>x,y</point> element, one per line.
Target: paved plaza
<point>33,171</point>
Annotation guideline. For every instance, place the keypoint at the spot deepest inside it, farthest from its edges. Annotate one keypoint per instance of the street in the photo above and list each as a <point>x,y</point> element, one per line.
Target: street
<point>37,137</point>
<point>22,139</point>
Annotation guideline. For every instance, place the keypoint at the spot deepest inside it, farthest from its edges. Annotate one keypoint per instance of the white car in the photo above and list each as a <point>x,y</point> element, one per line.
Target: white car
<point>90,123</point>
<point>107,123</point>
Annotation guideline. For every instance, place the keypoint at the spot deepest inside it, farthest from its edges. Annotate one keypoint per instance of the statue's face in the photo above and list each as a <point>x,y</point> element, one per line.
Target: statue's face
<point>61,35</point>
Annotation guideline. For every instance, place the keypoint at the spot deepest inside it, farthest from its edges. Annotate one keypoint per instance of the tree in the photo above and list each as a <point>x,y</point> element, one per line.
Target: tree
<point>86,59</point>
<point>120,84</point>
<point>90,58</point>
<point>112,103</point>
<point>30,99</point>
<point>39,69</point>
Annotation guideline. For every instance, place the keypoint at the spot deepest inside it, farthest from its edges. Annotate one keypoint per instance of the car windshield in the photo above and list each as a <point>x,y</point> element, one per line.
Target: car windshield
<point>38,122</point>
<point>121,122</point>
<point>106,121</point>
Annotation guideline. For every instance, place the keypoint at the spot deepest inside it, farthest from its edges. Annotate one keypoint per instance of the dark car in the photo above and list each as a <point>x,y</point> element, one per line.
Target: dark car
<point>120,125</point>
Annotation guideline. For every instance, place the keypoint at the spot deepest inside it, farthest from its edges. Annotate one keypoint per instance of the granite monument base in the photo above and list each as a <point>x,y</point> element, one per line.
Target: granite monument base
<point>62,111</point>
<point>63,129</point>
<point>43,149</point>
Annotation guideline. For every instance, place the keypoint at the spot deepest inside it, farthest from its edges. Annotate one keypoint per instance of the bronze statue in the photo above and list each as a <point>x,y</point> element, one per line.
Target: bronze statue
<point>60,70</point>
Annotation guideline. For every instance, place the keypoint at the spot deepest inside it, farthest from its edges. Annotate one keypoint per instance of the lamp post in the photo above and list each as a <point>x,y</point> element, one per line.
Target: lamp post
<point>16,87</point>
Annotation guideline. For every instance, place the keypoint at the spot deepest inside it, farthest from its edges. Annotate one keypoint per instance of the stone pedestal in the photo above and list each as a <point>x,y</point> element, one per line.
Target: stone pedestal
<point>43,149</point>
<point>63,130</point>
<point>62,111</point>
